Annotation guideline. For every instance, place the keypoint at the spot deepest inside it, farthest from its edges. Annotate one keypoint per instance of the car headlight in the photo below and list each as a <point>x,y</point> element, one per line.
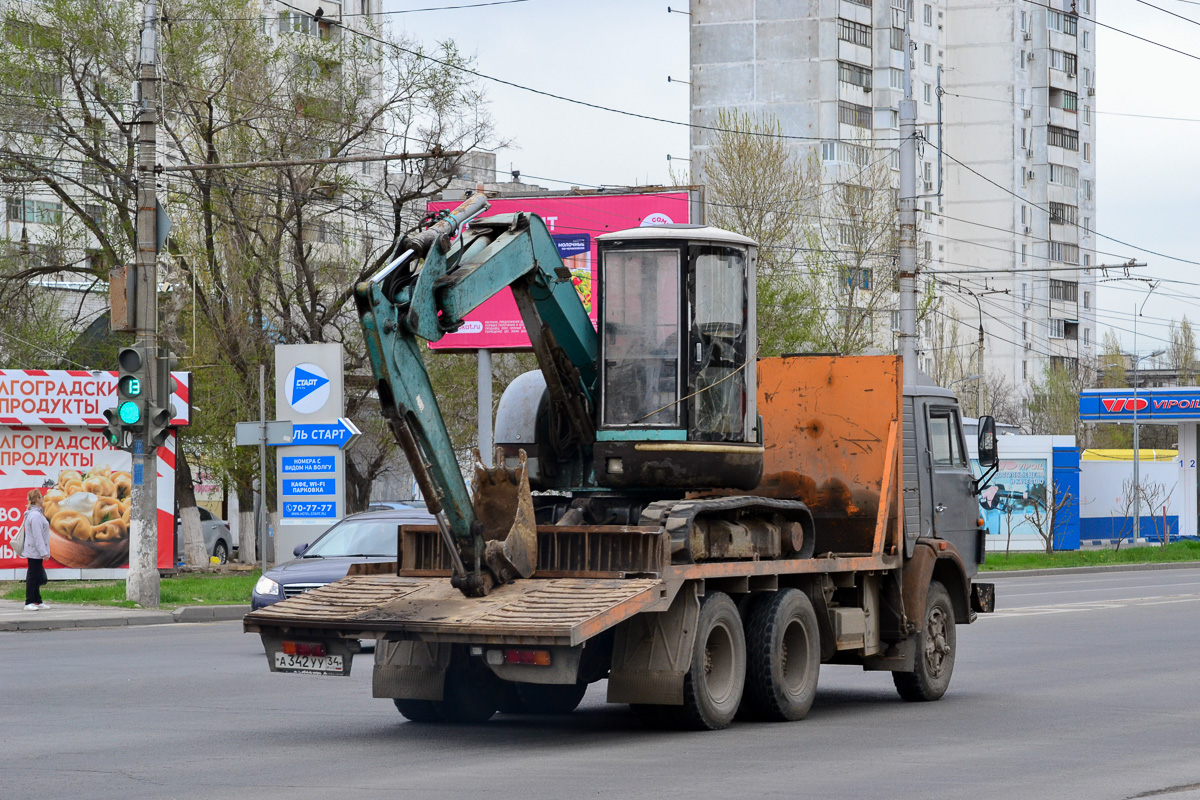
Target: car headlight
<point>266,586</point>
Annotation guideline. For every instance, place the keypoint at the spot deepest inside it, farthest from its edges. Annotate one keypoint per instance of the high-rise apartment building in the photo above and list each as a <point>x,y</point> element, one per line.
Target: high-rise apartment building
<point>1020,110</point>
<point>1014,85</point>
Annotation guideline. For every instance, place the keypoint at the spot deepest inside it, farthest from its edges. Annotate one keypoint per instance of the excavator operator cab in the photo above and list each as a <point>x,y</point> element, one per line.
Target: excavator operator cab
<point>677,360</point>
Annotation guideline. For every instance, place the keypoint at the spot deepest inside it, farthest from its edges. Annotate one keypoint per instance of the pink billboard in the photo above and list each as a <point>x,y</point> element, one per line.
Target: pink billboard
<point>574,221</point>
<point>51,440</point>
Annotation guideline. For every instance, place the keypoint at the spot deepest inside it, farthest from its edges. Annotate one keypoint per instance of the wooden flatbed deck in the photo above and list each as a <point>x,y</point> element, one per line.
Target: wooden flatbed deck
<point>565,611</point>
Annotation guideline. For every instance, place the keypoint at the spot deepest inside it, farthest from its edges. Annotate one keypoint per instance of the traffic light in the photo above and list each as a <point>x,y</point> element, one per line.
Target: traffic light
<point>132,387</point>
<point>114,431</point>
<point>158,422</point>
<point>158,426</point>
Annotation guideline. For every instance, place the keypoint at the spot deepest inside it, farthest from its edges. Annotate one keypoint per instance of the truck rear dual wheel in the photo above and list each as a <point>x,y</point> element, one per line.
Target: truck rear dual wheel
<point>783,653</point>
<point>468,695</point>
<point>418,710</point>
<point>712,688</point>
<point>935,644</point>
<point>538,698</point>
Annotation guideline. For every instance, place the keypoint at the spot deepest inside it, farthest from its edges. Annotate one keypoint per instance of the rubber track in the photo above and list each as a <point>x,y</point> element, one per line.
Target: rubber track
<point>678,516</point>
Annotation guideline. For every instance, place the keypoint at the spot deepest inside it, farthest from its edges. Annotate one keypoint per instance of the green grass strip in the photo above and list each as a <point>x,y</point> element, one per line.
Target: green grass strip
<point>1152,554</point>
<point>176,590</point>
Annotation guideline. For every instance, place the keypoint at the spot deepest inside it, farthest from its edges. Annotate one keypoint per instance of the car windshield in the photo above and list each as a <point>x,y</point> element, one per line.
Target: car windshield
<point>376,537</point>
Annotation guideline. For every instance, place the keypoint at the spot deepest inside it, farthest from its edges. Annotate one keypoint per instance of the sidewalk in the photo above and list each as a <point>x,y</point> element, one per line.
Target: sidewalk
<point>14,617</point>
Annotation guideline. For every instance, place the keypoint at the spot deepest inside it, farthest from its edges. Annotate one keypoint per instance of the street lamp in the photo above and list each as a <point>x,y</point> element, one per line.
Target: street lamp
<point>1137,486</point>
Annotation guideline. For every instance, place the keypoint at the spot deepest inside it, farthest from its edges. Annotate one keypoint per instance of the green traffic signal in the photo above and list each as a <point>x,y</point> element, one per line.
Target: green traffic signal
<point>130,386</point>
<point>112,431</point>
<point>129,412</point>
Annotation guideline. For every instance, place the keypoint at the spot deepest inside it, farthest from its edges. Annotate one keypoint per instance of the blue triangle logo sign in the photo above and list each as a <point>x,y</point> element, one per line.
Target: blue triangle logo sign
<point>305,383</point>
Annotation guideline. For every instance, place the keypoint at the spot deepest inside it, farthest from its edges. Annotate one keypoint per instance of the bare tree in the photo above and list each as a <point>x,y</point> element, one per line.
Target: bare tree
<point>851,262</point>
<point>257,256</point>
<point>1052,404</point>
<point>1181,352</point>
<point>1003,399</point>
<point>1110,374</point>
<point>951,355</point>
<point>1126,503</point>
<point>1155,497</point>
<point>827,241</point>
<point>1046,514</point>
<point>758,188</point>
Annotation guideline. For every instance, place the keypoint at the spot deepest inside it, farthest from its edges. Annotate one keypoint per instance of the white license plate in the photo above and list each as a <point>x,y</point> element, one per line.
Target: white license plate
<point>289,663</point>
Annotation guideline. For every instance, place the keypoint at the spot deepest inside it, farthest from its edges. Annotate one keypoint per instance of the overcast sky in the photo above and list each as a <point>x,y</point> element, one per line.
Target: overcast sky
<point>618,53</point>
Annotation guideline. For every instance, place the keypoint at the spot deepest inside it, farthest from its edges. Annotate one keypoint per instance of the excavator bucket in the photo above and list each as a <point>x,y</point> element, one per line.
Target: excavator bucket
<point>504,506</point>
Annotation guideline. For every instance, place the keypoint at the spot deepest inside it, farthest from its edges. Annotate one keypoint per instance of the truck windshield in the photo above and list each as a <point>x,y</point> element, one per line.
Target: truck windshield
<point>357,538</point>
<point>641,337</point>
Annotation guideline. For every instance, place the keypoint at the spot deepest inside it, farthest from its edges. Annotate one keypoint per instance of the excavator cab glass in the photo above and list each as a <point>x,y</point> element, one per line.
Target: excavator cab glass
<point>640,340</point>
<point>677,360</point>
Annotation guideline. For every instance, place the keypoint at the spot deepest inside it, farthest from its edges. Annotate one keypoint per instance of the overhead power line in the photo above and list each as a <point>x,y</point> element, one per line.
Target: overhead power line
<point>373,14</point>
<point>1047,106</point>
<point>297,162</point>
<point>1100,24</point>
<point>583,103</point>
<point>1006,190</point>
<point>1172,13</point>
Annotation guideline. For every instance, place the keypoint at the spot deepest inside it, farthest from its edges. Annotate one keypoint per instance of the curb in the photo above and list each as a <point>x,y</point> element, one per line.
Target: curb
<point>99,617</point>
<point>105,621</point>
<point>1018,573</point>
<point>209,613</point>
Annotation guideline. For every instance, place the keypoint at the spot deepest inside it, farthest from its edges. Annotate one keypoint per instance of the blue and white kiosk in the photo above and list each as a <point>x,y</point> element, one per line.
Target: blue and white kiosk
<point>1166,406</point>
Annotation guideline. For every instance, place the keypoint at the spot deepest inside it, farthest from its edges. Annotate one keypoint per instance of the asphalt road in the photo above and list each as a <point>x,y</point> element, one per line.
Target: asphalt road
<point>1082,686</point>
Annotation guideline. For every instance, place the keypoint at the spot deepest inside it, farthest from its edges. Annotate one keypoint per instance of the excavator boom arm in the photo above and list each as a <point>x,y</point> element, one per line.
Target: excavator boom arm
<point>425,293</point>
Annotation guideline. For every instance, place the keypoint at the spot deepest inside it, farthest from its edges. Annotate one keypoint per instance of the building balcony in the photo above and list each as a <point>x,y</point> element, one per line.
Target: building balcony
<point>1064,119</point>
<point>855,53</point>
<point>1065,309</point>
<point>1063,80</point>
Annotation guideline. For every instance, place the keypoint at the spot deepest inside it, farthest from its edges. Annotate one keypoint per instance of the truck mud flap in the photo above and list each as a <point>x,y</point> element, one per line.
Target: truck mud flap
<point>983,597</point>
<point>557,611</point>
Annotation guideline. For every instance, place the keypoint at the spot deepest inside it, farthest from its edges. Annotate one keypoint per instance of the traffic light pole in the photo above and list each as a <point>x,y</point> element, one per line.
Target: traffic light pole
<point>142,584</point>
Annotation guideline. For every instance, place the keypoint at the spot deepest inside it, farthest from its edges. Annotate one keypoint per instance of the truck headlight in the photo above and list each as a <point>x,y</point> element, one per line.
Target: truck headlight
<point>266,586</point>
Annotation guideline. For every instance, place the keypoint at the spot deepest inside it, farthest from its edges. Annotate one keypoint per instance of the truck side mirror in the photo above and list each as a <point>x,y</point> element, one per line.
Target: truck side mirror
<point>988,457</point>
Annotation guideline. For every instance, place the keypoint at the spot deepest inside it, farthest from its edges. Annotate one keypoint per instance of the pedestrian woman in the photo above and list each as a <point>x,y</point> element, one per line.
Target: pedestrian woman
<point>37,547</point>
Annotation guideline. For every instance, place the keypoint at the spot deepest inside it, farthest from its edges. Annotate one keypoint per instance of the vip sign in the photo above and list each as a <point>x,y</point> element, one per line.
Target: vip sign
<point>1117,405</point>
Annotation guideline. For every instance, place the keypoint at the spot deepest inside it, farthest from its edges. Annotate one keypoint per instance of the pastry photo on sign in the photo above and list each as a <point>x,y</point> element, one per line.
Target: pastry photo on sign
<point>89,517</point>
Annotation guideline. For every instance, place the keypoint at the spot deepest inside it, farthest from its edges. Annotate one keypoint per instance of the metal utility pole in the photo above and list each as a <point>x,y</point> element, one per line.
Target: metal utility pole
<point>261,520</point>
<point>142,584</point>
<point>484,399</point>
<point>1137,455</point>
<point>908,221</point>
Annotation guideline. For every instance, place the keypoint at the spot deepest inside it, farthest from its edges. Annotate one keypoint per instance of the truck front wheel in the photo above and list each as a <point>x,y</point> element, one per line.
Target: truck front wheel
<point>712,688</point>
<point>783,654</point>
<point>935,644</point>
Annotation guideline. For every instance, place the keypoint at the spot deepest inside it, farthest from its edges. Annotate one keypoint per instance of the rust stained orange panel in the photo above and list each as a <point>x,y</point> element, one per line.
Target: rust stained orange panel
<point>826,421</point>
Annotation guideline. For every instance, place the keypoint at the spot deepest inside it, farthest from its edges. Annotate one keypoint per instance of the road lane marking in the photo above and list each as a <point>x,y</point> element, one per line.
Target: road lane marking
<point>1093,605</point>
<point>1107,587</point>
